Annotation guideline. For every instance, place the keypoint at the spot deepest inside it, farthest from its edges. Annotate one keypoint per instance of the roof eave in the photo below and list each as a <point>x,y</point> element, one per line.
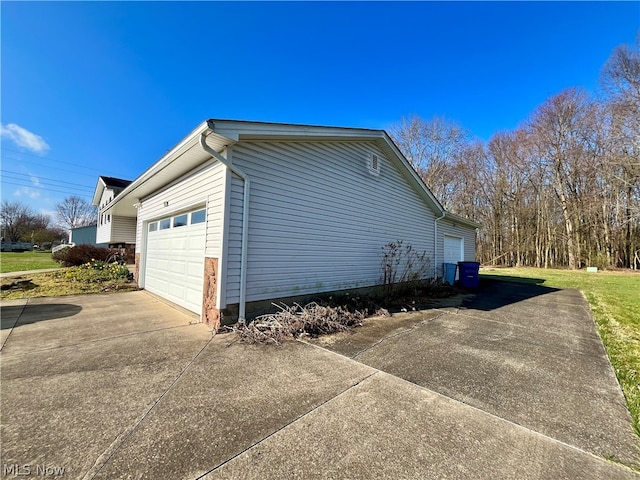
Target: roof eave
<point>97,194</point>
<point>459,219</point>
<point>151,179</point>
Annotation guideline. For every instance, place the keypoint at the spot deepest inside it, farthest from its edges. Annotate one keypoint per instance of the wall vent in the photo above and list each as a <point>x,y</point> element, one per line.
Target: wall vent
<point>374,164</point>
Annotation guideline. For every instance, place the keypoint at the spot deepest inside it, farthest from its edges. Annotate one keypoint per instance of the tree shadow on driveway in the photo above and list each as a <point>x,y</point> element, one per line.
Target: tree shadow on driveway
<point>16,315</point>
<point>496,292</point>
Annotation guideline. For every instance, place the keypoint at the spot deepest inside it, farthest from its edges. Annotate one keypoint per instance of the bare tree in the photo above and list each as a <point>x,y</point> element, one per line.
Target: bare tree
<point>432,147</point>
<point>621,80</point>
<point>620,75</point>
<point>562,135</point>
<point>15,219</point>
<point>75,212</point>
<point>562,189</point>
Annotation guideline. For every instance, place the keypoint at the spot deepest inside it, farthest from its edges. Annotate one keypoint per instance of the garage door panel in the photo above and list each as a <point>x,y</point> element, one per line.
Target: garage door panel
<point>194,296</point>
<point>156,285</point>
<point>175,265</point>
<point>194,269</point>
<point>195,241</point>
<point>453,250</point>
<point>160,264</point>
<point>179,243</point>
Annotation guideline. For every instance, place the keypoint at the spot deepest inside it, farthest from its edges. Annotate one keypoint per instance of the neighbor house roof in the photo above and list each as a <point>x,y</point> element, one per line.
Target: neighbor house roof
<point>223,133</point>
<point>112,182</point>
<point>115,184</point>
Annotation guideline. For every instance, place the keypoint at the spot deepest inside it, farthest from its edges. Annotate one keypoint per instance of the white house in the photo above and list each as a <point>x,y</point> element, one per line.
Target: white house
<point>113,230</point>
<point>239,213</point>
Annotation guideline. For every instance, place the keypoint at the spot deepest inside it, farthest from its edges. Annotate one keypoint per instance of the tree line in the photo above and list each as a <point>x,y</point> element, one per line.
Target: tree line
<point>560,190</point>
<point>20,223</point>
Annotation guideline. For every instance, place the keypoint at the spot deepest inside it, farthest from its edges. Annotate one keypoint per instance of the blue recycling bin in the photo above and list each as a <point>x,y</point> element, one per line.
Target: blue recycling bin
<point>450,273</point>
<point>469,274</point>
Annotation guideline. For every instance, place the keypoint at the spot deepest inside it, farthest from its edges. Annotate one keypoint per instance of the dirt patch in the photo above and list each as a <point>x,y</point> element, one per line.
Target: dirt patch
<point>17,284</point>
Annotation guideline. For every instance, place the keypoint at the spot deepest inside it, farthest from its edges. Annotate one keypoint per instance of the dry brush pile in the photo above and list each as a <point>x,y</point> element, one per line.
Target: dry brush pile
<point>295,321</point>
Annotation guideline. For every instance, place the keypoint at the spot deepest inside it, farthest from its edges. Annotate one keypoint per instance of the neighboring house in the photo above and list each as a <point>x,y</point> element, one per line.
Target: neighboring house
<point>85,236</point>
<point>239,214</point>
<point>116,231</point>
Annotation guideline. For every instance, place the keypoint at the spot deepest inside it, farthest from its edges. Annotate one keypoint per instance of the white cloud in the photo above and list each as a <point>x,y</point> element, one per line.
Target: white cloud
<point>27,192</point>
<point>24,138</point>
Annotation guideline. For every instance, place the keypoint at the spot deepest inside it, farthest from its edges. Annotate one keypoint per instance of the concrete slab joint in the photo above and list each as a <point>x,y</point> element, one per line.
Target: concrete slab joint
<point>210,310</point>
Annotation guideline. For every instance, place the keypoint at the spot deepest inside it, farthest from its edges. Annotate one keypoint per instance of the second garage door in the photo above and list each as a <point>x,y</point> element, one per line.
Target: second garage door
<point>174,267</point>
<point>453,250</point>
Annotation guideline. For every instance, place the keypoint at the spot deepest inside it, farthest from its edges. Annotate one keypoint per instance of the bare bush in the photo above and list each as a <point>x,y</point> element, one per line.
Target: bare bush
<point>402,265</point>
<point>295,321</point>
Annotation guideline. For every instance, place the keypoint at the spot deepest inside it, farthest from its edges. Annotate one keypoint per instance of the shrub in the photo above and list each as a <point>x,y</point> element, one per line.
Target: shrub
<point>81,254</point>
<point>98,271</point>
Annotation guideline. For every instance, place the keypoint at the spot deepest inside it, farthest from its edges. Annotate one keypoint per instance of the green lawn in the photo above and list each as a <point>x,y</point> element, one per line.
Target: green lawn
<point>615,303</point>
<point>21,261</point>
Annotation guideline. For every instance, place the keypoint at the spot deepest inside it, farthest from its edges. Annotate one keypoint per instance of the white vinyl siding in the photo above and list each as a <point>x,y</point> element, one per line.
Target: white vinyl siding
<point>123,229</point>
<point>318,218</point>
<point>234,241</point>
<point>103,229</point>
<point>114,229</point>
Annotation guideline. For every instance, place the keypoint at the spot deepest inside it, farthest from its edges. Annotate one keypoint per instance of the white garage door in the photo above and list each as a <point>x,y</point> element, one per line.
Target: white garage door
<point>453,250</point>
<point>174,267</point>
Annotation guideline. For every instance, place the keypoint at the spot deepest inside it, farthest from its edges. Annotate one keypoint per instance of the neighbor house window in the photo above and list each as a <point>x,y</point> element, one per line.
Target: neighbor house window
<point>165,224</point>
<point>180,220</point>
<point>198,216</point>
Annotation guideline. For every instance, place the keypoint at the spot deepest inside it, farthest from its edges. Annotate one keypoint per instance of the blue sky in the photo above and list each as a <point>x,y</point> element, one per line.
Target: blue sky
<point>92,88</point>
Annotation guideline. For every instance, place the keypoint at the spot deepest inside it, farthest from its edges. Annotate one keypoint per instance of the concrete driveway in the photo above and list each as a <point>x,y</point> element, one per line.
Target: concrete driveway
<point>125,386</point>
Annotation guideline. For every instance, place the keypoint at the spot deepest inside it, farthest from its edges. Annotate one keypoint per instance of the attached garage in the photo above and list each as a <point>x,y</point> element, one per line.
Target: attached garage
<point>241,214</point>
<point>174,266</point>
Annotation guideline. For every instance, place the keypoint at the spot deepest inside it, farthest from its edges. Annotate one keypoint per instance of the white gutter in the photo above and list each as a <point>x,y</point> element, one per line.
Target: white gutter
<point>245,219</point>
<point>435,238</point>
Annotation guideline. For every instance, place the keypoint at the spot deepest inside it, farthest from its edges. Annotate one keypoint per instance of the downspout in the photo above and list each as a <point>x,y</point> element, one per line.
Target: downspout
<point>435,242</point>
<point>245,220</point>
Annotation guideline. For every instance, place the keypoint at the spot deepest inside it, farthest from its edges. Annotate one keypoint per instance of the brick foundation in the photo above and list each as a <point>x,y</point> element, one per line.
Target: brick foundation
<point>136,272</point>
<point>130,252</point>
<point>210,310</point>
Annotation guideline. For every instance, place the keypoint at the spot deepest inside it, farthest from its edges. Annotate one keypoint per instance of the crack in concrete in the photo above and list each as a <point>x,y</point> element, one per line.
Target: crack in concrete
<point>471,406</point>
<point>121,439</point>
<point>15,323</point>
<point>397,334</point>
<point>295,420</point>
